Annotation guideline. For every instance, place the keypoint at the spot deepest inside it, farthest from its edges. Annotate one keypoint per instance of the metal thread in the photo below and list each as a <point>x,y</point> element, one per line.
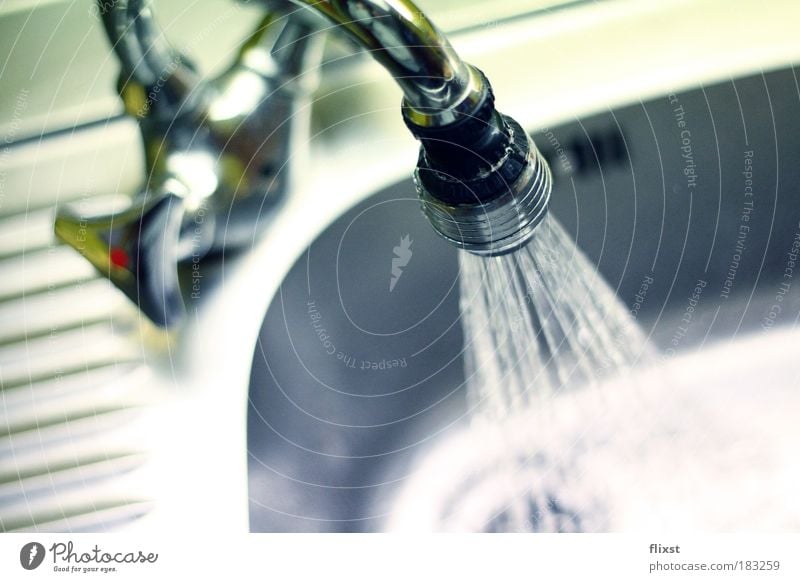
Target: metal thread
<point>501,225</point>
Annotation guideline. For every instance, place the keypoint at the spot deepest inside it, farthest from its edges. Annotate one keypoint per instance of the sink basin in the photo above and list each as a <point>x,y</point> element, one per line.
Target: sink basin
<point>688,206</point>
<point>352,377</point>
<point>110,425</point>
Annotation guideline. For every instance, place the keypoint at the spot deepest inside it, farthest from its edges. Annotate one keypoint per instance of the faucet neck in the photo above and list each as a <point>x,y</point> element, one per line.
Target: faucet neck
<point>438,87</point>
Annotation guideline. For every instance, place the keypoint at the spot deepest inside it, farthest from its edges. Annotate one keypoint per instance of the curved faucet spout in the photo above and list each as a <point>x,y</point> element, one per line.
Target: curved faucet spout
<point>438,86</point>
<point>436,83</point>
<point>218,148</point>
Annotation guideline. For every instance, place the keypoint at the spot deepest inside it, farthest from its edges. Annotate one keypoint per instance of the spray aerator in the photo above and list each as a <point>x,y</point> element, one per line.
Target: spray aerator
<point>483,184</point>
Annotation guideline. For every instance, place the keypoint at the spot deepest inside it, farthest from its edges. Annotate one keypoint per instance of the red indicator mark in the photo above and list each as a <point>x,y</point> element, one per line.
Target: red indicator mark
<point>119,258</point>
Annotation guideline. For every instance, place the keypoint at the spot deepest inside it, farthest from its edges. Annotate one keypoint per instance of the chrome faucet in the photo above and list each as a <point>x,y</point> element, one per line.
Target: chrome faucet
<point>216,151</point>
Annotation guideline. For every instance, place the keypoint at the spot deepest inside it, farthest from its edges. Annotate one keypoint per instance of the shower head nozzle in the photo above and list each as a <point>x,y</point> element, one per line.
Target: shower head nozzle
<point>483,184</point>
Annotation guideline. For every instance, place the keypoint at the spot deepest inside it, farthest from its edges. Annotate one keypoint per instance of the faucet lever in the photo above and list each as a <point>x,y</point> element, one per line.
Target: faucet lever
<point>136,248</point>
<point>215,152</point>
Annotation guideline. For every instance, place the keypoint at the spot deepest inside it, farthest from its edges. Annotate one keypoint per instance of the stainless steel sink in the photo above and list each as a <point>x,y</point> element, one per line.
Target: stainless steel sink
<point>355,378</point>
<point>108,426</point>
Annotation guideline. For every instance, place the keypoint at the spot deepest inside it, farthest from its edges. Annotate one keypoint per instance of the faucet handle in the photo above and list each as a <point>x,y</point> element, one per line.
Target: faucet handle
<point>216,152</point>
<point>136,247</point>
